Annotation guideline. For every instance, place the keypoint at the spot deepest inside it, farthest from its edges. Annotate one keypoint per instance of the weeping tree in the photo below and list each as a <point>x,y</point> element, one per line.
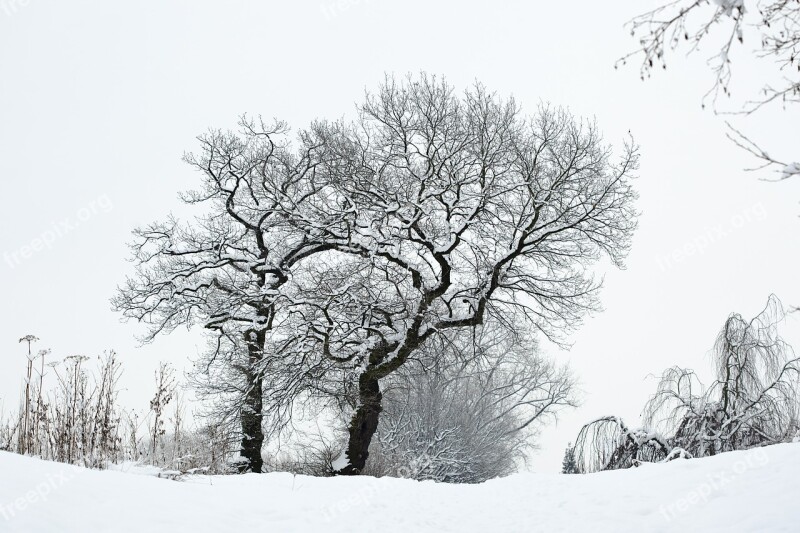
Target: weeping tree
<point>468,408</point>
<point>607,443</point>
<point>223,270</point>
<point>753,401</point>
<point>444,209</point>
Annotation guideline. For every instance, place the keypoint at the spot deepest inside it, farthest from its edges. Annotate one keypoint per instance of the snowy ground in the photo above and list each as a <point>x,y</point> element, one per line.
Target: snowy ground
<point>757,490</point>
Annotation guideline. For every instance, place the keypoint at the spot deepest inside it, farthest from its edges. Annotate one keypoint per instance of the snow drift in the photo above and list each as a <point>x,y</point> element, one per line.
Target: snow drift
<point>754,490</point>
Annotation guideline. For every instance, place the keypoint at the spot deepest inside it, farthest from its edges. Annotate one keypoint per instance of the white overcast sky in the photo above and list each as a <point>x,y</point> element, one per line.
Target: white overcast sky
<point>98,101</point>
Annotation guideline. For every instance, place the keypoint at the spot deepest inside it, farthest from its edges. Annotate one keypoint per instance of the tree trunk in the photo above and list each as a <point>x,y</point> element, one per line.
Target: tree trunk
<point>252,410</point>
<point>363,425</point>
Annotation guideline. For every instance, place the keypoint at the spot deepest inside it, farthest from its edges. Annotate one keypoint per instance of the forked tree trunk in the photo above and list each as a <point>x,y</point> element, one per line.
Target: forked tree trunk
<point>363,425</point>
<point>252,409</point>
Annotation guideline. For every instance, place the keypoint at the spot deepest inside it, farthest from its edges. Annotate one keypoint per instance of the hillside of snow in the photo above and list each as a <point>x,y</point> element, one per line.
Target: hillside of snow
<point>756,490</point>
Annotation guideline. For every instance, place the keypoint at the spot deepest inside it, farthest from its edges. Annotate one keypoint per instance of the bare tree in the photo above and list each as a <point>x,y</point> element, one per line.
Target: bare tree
<point>692,22</point>
<point>224,270</point>
<point>468,408</point>
<point>429,213</point>
<point>444,210</point>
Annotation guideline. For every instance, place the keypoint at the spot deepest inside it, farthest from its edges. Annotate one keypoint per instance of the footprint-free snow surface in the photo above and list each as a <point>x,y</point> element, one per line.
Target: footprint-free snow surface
<point>756,490</point>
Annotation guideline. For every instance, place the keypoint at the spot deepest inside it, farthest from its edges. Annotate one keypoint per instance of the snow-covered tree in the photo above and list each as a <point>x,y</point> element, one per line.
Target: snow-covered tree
<point>445,209</point>
<point>224,269</point>
<point>568,464</point>
<point>331,263</point>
